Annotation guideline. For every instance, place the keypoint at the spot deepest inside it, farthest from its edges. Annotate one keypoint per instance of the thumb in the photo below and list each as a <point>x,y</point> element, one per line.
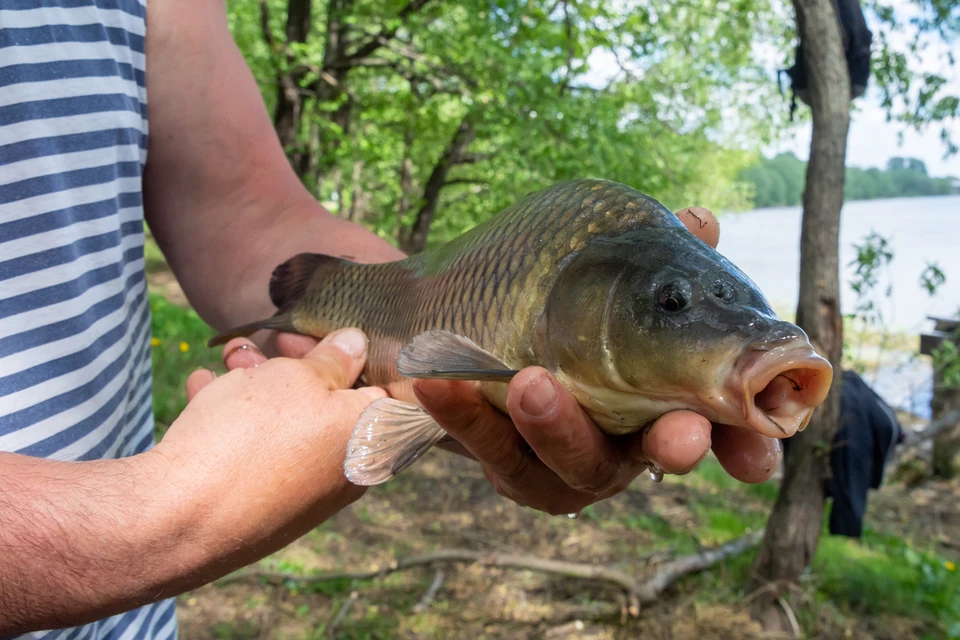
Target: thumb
<point>339,358</point>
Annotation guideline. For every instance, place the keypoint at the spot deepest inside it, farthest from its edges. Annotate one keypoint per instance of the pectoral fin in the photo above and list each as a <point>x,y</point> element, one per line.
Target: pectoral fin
<point>449,356</point>
<point>389,436</point>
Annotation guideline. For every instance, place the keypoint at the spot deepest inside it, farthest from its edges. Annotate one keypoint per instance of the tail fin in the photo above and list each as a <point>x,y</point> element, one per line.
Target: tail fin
<point>288,284</point>
<point>279,322</point>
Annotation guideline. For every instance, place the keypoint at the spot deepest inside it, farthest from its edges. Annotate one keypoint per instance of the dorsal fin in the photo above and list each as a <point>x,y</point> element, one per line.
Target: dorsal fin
<point>290,280</point>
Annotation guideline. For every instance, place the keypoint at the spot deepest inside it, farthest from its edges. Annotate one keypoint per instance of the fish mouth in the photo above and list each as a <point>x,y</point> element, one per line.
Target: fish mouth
<point>775,386</point>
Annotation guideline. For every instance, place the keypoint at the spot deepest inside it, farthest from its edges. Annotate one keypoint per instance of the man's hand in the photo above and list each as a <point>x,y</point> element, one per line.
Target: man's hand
<point>272,437</point>
<point>253,462</point>
<point>549,455</point>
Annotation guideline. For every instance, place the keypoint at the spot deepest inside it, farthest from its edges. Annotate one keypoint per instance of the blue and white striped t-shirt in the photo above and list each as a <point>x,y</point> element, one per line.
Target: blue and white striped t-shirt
<point>74,315</point>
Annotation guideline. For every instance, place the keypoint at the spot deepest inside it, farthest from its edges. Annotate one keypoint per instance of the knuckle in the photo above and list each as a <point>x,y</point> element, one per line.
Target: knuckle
<point>513,464</point>
<point>601,479</point>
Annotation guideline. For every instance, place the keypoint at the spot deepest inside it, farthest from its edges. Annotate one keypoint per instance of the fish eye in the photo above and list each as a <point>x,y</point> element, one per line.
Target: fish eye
<point>724,291</point>
<point>674,296</point>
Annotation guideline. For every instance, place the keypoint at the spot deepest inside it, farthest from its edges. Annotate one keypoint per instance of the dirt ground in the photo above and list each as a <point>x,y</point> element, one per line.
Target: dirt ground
<point>444,503</point>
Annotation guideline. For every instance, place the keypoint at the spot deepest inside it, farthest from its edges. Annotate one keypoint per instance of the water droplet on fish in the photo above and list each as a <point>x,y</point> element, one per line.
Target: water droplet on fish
<point>656,476</point>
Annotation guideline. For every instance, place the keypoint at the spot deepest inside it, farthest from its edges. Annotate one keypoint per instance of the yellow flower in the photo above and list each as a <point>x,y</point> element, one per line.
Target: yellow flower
<point>184,347</point>
<point>155,342</point>
<point>950,566</point>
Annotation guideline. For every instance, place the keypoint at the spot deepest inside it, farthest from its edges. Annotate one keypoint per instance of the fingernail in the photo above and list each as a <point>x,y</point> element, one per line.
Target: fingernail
<point>539,398</point>
<point>434,390</point>
<point>351,341</point>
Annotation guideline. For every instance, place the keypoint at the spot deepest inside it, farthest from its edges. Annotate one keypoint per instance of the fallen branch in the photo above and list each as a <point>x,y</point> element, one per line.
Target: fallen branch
<point>341,614</point>
<point>673,571</point>
<point>639,593</point>
<point>913,440</point>
<point>942,424</point>
<point>431,593</point>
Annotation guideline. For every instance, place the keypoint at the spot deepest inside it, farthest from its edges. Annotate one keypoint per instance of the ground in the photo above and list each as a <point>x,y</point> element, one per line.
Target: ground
<point>899,581</point>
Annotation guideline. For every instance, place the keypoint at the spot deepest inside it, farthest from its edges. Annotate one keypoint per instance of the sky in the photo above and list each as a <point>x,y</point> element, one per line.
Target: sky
<point>872,140</point>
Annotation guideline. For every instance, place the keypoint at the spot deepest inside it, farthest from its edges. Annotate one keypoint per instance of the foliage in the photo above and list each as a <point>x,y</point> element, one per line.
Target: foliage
<point>779,181</point>
<point>916,94</point>
<point>667,98</point>
<point>946,360</point>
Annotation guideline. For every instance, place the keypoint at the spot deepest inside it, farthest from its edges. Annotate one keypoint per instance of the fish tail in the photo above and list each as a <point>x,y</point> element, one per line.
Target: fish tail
<point>279,322</point>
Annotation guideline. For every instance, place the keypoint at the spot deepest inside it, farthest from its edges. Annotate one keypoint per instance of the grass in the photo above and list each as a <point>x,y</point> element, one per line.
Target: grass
<point>179,346</point>
<point>852,581</point>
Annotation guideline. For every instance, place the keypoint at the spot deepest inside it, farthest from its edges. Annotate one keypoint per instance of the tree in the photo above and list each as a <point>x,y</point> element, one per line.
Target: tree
<point>454,110</point>
<point>793,530</point>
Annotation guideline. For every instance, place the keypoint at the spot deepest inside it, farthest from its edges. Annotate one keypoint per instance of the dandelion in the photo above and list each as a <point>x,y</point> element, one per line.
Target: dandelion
<point>155,342</point>
<point>184,347</point>
<point>950,566</point>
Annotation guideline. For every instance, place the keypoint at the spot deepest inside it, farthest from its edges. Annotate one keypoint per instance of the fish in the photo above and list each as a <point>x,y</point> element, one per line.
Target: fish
<point>595,281</point>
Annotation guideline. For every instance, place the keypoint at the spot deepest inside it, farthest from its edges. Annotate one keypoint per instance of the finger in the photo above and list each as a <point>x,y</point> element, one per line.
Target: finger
<point>702,223</point>
<point>541,489</point>
<point>242,353</point>
<point>746,455</point>
<point>677,442</point>
<point>487,434</point>
<point>339,358</point>
<point>371,393</point>
<point>197,381</point>
<point>555,425</point>
<point>294,345</point>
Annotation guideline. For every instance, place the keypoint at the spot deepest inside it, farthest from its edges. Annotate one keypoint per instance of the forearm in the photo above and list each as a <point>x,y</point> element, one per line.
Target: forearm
<point>220,195</point>
<point>80,541</point>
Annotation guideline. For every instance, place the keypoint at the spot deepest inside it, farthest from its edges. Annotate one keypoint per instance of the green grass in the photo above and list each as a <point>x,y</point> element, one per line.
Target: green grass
<point>179,347</point>
<point>152,256</point>
<point>883,573</point>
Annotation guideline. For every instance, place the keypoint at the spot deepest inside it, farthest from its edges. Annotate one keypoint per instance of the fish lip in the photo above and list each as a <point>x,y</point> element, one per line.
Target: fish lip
<point>763,365</point>
<point>755,369</point>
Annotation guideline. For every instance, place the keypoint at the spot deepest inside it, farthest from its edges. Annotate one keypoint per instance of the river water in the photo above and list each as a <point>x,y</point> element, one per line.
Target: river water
<point>765,243</point>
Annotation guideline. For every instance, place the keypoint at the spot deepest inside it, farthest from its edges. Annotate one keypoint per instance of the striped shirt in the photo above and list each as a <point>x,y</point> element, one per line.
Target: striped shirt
<point>74,316</point>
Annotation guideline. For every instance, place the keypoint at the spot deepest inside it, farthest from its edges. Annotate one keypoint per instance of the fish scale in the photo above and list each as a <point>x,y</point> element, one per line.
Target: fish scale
<point>482,286</point>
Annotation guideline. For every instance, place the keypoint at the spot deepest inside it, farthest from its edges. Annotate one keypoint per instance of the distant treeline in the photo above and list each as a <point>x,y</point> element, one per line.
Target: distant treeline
<point>779,181</point>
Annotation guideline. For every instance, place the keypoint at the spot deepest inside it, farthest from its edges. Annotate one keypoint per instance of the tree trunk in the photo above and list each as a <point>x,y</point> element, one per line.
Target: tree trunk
<point>414,239</point>
<point>793,530</point>
<point>946,444</point>
<point>289,107</point>
<point>406,165</point>
<point>357,204</point>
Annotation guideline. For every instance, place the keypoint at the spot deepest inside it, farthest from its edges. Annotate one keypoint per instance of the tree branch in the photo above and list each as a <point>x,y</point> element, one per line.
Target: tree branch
<point>568,27</point>
<point>465,181</point>
<point>914,440</point>
<point>473,158</point>
<point>641,593</point>
<point>387,33</point>
<point>942,424</point>
<point>265,25</point>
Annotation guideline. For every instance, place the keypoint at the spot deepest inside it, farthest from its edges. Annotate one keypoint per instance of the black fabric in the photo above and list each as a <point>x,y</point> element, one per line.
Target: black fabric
<point>869,431</point>
<point>857,39</point>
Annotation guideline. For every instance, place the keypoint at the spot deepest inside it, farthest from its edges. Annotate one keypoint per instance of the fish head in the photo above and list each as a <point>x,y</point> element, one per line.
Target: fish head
<point>656,320</point>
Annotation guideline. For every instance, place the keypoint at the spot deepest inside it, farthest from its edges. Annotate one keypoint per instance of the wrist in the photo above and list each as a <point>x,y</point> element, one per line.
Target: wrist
<point>223,513</point>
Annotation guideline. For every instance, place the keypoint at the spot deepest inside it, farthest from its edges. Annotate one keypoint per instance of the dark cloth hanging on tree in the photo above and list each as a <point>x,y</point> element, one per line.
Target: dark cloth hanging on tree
<point>857,39</point>
<point>869,431</point>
